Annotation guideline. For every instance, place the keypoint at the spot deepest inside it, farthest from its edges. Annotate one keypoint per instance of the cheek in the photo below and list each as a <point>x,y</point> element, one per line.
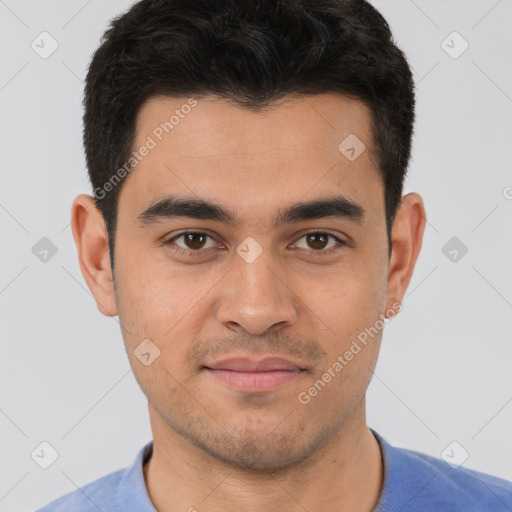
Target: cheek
<point>163,305</point>
<point>145,303</point>
<point>350,307</point>
<point>146,286</point>
<point>159,310</point>
<point>351,301</point>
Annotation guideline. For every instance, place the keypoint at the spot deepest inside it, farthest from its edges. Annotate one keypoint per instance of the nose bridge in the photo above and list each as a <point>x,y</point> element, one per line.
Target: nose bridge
<point>256,298</point>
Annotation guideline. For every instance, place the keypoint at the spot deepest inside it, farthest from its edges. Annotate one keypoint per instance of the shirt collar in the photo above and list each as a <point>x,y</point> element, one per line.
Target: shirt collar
<point>132,493</point>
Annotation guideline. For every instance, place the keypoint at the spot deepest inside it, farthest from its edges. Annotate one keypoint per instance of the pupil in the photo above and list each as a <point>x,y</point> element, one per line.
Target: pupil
<point>317,240</point>
<point>192,240</point>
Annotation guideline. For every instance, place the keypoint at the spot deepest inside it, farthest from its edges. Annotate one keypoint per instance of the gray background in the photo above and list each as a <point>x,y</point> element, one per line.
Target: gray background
<point>444,372</point>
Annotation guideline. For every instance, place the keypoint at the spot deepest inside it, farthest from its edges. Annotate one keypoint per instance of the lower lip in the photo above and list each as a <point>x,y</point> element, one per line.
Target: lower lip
<point>255,381</point>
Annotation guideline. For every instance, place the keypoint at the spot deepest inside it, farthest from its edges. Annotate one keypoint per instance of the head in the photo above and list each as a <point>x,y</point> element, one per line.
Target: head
<point>247,161</point>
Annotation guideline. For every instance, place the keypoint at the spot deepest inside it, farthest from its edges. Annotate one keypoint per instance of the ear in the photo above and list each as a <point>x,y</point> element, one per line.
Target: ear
<point>407,237</point>
<point>90,234</point>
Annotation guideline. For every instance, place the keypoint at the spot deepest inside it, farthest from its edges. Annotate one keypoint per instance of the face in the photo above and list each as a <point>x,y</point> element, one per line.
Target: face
<point>245,236</point>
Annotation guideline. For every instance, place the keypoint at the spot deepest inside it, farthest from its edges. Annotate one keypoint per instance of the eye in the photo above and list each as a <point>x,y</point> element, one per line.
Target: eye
<point>319,241</point>
<point>195,243</point>
<point>191,242</point>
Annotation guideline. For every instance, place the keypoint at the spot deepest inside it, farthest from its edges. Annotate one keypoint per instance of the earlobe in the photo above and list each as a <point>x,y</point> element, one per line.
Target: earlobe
<point>407,237</point>
<point>91,240</point>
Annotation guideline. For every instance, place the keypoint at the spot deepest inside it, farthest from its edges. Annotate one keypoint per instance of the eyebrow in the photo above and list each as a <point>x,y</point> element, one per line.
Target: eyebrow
<point>173,206</point>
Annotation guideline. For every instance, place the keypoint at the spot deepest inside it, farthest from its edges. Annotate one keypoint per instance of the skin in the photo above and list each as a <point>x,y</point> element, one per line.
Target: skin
<point>217,448</point>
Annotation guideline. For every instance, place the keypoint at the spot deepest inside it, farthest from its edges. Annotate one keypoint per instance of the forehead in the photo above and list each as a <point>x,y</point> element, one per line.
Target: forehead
<point>254,160</point>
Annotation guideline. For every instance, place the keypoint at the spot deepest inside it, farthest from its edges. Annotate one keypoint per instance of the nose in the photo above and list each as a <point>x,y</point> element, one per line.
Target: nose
<point>256,297</point>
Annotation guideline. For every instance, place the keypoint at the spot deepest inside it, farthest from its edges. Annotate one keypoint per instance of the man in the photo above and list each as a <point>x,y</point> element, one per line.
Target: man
<point>248,227</point>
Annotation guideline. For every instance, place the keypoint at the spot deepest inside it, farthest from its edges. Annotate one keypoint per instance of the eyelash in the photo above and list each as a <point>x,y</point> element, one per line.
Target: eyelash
<point>192,253</point>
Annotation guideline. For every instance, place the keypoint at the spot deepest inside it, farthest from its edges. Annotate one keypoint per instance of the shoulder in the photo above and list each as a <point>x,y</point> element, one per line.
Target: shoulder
<point>89,498</point>
<point>420,482</point>
<point>459,484</point>
<point>120,491</point>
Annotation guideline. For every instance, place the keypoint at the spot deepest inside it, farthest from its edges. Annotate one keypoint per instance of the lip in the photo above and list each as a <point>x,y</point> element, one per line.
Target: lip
<point>250,375</point>
<point>246,364</point>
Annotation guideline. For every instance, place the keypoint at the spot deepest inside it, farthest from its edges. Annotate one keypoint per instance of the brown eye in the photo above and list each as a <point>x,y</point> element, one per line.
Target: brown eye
<point>191,241</point>
<point>194,241</point>
<point>319,241</point>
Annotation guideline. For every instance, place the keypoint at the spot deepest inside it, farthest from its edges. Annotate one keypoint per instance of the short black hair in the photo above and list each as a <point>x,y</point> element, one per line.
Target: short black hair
<point>251,52</point>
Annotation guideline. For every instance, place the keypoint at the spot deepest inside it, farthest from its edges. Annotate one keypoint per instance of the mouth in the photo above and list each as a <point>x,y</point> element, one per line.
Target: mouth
<point>249,375</point>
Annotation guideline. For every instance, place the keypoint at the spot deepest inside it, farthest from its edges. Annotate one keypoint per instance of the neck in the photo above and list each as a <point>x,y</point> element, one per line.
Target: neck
<point>344,475</point>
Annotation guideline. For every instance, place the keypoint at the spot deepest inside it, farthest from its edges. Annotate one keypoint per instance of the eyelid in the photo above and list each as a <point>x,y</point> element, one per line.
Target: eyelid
<point>339,242</point>
<point>173,238</point>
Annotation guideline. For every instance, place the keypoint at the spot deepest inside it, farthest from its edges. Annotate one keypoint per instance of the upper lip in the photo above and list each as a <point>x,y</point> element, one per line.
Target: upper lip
<point>246,364</point>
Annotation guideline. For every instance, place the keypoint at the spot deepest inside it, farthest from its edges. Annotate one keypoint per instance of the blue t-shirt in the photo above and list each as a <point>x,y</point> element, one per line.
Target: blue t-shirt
<point>413,482</point>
